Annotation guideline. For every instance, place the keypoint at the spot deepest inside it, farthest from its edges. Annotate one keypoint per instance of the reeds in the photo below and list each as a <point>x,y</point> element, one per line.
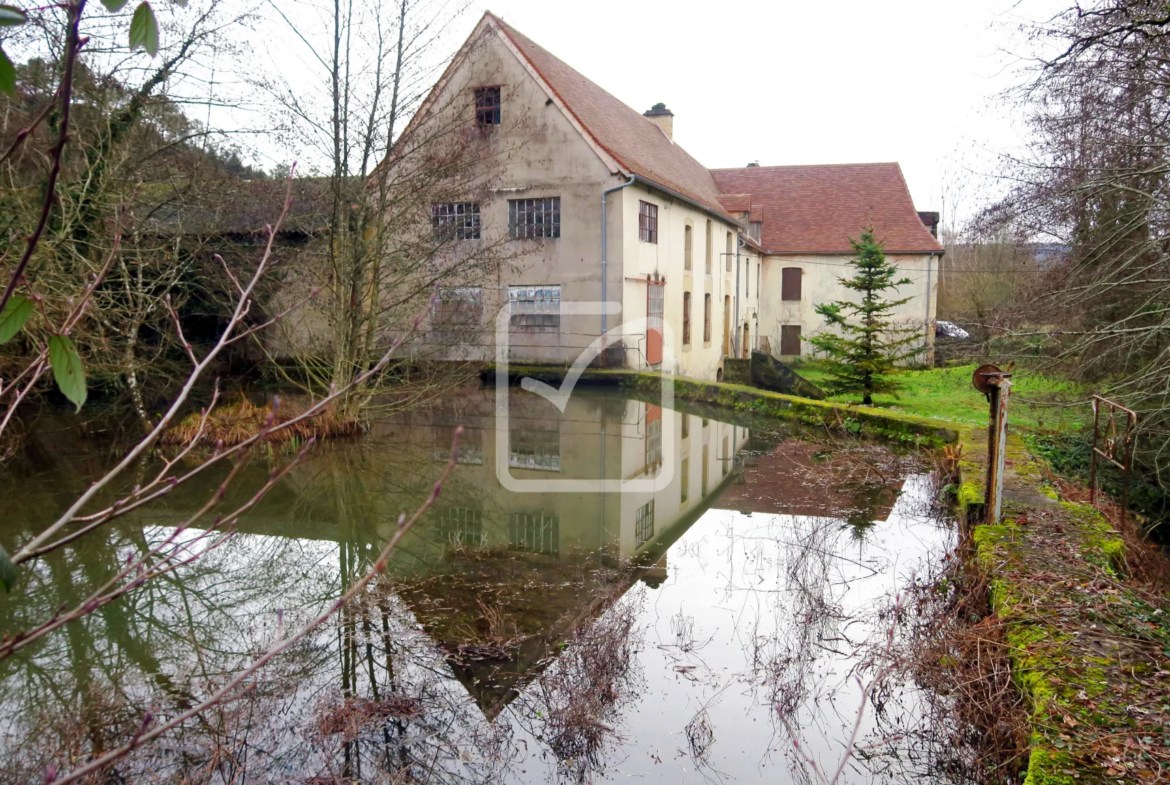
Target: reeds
<point>238,420</point>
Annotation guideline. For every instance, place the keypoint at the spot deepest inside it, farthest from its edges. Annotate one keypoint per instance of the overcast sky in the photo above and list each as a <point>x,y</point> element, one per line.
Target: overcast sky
<point>788,82</point>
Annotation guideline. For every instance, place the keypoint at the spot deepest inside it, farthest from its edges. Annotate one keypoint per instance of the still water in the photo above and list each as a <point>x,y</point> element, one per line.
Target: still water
<point>654,627</point>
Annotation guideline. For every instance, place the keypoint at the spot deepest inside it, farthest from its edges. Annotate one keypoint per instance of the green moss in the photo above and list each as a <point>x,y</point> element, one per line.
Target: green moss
<point>890,426</point>
<point>1047,766</point>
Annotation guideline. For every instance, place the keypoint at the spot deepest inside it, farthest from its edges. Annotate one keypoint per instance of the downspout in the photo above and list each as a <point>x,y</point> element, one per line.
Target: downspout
<point>735,350</point>
<point>605,262</point>
<point>926,335</point>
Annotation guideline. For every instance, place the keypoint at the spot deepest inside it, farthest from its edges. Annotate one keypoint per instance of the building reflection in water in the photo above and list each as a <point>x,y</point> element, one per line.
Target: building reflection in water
<point>507,619</point>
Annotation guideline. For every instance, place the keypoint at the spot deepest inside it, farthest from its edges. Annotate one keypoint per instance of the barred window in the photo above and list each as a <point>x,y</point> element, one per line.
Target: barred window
<point>536,308</point>
<point>730,250</point>
<point>529,218</point>
<point>487,106</point>
<point>704,471</point>
<point>460,526</point>
<point>707,318</point>
<point>686,318</point>
<point>535,447</point>
<point>458,307</point>
<point>470,449</point>
<point>653,435</point>
<point>455,221</point>
<point>688,247</point>
<point>538,532</point>
<point>647,222</point>
<point>686,479</point>
<point>710,246</point>
<point>644,524</point>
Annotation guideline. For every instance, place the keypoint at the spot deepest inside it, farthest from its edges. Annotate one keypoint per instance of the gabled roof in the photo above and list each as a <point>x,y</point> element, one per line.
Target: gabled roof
<point>817,209</point>
<point>637,144</point>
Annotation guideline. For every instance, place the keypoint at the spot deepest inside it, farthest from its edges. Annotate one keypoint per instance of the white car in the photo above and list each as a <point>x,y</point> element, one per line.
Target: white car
<point>944,329</point>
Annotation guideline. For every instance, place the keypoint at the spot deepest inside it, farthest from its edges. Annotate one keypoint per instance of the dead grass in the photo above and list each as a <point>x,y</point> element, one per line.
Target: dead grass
<point>976,723</point>
<point>240,419</point>
<point>354,713</point>
<point>1146,563</point>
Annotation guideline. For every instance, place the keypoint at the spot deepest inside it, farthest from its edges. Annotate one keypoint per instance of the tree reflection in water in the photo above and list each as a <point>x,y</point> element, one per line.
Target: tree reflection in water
<point>514,638</point>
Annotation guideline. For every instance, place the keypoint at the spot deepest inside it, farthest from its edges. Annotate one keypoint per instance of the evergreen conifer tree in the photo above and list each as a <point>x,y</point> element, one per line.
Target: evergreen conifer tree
<point>863,344</point>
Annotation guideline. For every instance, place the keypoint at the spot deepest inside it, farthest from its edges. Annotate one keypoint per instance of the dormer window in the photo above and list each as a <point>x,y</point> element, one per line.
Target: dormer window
<point>487,106</point>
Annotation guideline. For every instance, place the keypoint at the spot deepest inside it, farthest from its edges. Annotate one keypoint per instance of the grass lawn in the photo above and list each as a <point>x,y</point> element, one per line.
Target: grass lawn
<point>947,394</point>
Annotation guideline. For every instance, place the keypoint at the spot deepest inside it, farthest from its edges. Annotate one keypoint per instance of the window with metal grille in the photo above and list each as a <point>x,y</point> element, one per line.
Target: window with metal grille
<point>470,443</point>
<point>704,471</point>
<point>710,247</point>
<point>653,435</point>
<point>686,425</point>
<point>644,524</point>
<point>460,526</point>
<point>647,222</point>
<point>455,221</point>
<point>685,483</point>
<point>707,318</point>
<point>532,218</point>
<point>534,531</point>
<point>686,318</point>
<point>726,459</point>
<point>730,250</point>
<point>534,445</point>
<point>790,278</point>
<point>535,308</point>
<point>688,247</point>
<point>487,106</point>
<point>457,308</point>
<point>789,340</point>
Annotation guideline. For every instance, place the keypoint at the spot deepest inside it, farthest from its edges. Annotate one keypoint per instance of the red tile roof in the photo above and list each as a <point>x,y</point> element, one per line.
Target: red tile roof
<point>637,143</point>
<point>816,209</point>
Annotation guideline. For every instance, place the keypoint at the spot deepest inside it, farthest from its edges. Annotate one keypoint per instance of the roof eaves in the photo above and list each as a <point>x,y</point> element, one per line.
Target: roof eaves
<point>691,200</point>
<point>887,251</point>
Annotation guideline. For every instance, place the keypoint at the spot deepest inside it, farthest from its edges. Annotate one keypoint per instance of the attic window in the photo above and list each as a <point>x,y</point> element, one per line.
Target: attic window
<point>487,106</point>
<point>647,222</point>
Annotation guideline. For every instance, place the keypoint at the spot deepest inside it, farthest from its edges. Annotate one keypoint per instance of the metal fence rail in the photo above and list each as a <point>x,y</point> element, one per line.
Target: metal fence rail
<point>1115,448</point>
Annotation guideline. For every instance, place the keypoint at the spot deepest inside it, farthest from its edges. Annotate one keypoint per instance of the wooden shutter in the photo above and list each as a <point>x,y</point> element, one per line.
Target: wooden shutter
<point>789,339</point>
<point>790,283</point>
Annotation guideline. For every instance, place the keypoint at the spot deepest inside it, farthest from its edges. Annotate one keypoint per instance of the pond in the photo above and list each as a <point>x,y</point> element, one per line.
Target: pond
<point>720,590</point>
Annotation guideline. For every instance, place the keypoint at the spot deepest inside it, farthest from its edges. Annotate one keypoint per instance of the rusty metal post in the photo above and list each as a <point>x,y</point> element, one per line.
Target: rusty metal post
<point>1003,387</point>
<point>993,407</point>
<point>1093,455</point>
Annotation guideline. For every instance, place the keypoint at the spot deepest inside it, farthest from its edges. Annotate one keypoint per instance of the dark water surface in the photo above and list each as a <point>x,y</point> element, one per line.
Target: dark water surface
<point>652,627</point>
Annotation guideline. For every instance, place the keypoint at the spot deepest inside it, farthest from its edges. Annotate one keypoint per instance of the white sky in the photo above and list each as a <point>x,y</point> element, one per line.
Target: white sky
<point>778,81</point>
<point>793,82</point>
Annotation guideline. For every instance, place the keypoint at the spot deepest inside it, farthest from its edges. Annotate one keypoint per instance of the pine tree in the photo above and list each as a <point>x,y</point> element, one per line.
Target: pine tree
<point>863,344</point>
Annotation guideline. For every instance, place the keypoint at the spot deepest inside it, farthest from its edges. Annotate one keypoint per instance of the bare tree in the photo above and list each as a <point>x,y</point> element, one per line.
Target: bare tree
<point>106,500</point>
<point>386,248</point>
<point>1096,179</point>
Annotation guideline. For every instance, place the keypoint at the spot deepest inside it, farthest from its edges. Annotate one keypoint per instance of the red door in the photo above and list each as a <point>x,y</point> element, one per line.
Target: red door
<point>655,301</point>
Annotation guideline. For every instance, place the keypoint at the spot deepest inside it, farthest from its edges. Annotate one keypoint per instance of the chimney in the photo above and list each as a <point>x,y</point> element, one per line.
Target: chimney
<point>663,118</point>
<point>930,221</point>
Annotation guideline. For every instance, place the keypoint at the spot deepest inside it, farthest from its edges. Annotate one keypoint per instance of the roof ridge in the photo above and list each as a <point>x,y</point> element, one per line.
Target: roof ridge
<point>805,166</point>
<point>633,141</point>
<point>510,29</point>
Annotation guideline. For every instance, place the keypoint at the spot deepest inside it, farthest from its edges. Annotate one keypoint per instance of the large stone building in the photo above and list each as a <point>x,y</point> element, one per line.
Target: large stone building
<point>599,204</point>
